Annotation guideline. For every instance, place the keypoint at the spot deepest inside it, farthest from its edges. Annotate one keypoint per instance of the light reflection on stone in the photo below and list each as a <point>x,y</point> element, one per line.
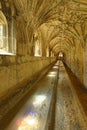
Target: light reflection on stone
<point>39,99</point>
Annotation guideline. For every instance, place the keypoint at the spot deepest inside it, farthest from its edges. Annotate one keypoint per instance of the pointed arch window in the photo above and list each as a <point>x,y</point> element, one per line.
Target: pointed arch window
<point>7,44</point>
<point>38,47</point>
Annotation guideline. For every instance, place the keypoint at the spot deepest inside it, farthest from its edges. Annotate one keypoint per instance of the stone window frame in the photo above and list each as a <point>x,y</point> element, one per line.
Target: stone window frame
<point>7,39</point>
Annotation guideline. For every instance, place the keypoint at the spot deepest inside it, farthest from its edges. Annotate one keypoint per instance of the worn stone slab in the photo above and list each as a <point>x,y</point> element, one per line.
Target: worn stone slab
<point>69,116</point>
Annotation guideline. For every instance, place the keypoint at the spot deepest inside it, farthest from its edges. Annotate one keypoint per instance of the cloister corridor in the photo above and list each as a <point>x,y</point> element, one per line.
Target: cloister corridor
<point>43,64</point>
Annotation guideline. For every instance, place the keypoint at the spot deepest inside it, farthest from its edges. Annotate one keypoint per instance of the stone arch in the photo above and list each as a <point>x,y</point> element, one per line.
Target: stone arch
<point>3,33</point>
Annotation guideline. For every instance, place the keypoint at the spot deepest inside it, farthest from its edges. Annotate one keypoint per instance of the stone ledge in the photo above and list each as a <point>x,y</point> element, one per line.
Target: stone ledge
<point>10,98</point>
<point>11,60</point>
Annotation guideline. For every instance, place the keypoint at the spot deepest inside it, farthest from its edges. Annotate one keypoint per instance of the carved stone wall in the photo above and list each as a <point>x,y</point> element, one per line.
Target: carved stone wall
<point>15,69</point>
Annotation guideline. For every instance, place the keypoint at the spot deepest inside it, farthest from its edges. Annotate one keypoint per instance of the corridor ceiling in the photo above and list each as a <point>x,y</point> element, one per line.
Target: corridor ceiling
<point>62,20</point>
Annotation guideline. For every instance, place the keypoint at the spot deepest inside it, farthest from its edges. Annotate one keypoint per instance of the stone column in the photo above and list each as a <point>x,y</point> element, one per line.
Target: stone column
<point>85,66</point>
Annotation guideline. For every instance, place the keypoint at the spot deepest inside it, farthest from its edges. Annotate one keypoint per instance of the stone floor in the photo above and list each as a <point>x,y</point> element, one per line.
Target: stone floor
<point>33,115</point>
<point>79,88</point>
<point>67,112</point>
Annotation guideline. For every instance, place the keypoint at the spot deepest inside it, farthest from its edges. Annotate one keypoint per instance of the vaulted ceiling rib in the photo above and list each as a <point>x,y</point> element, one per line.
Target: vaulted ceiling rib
<point>59,16</point>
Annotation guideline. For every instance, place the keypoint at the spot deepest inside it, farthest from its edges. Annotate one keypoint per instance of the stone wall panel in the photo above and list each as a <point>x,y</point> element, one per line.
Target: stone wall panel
<point>13,73</point>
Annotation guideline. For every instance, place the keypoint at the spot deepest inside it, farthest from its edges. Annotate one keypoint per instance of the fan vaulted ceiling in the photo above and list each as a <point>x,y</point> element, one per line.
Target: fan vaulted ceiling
<point>63,20</point>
